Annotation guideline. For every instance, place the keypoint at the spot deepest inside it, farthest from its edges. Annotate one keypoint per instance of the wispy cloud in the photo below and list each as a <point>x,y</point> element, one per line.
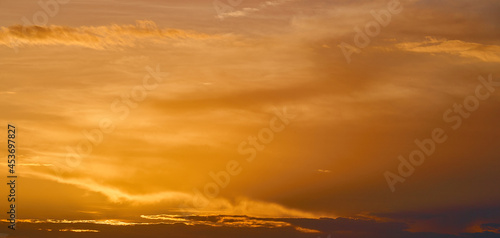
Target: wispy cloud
<point>7,92</point>
<point>230,221</point>
<point>109,222</point>
<point>95,37</point>
<point>180,199</point>
<point>79,230</point>
<point>213,221</point>
<point>115,194</point>
<point>246,11</point>
<point>487,53</point>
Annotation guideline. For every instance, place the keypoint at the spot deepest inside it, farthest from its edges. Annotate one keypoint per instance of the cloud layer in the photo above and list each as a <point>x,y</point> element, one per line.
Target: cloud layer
<point>101,37</point>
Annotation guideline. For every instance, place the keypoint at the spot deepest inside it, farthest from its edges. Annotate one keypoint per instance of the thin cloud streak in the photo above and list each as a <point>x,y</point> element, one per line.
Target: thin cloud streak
<point>247,11</point>
<point>486,53</point>
<point>222,206</point>
<point>94,37</point>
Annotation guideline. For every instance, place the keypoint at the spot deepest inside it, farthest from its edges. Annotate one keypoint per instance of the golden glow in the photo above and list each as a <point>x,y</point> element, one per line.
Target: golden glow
<point>175,114</point>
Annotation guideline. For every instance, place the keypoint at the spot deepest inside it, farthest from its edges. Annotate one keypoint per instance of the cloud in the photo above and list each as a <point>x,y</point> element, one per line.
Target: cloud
<point>476,219</point>
<point>491,227</point>
<point>114,194</point>
<point>241,221</point>
<point>217,221</point>
<point>186,202</point>
<point>247,11</point>
<point>109,222</point>
<point>486,53</point>
<point>324,171</point>
<point>79,230</point>
<point>7,92</point>
<point>95,37</point>
<point>30,164</point>
<point>229,226</point>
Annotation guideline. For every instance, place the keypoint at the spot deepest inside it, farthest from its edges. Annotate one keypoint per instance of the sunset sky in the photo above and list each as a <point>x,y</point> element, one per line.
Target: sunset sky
<point>252,118</point>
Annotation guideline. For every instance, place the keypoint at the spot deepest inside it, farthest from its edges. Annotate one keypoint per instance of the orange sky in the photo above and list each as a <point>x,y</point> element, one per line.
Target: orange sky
<point>159,97</point>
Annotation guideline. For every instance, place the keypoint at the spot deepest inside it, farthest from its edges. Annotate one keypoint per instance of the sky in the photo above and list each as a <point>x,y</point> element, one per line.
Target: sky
<point>252,118</point>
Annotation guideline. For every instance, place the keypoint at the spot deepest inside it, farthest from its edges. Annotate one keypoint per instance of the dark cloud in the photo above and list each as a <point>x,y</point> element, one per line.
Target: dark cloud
<point>338,228</point>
